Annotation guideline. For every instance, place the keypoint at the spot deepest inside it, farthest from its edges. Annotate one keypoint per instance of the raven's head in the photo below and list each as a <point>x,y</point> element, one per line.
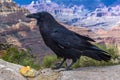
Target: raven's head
<point>34,15</point>
<point>42,17</point>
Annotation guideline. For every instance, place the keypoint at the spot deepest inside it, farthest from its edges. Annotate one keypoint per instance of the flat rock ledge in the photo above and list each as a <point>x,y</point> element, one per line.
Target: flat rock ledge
<point>83,73</point>
<point>10,71</point>
<point>92,73</point>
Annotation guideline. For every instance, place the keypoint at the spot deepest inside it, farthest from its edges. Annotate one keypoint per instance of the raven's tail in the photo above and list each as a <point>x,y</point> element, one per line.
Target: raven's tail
<point>97,55</point>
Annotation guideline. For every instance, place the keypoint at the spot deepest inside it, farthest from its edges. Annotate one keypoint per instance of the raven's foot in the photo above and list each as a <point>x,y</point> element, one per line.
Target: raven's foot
<point>55,67</point>
<point>59,65</point>
<point>68,69</point>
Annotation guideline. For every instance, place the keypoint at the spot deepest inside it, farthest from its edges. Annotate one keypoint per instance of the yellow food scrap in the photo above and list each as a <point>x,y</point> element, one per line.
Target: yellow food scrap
<point>27,71</point>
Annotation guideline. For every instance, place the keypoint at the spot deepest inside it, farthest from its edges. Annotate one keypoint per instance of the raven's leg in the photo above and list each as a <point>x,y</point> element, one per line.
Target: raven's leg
<point>59,65</point>
<point>68,67</point>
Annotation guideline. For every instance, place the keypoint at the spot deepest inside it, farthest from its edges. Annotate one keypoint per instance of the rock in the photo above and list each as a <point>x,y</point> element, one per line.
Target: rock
<point>47,74</point>
<point>92,73</point>
<point>10,71</point>
<point>83,73</point>
<point>11,13</point>
<point>110,36</point>
<point>5,1</point>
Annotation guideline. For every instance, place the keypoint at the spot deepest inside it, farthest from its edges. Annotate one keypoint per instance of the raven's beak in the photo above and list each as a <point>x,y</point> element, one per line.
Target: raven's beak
<point>34,15</point>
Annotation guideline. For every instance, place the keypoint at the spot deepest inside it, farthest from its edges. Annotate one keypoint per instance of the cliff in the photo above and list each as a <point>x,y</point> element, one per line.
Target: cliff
<point>11,13</point>
<point>110,36</point>
<point>1,1</point>
<point>24,33</point>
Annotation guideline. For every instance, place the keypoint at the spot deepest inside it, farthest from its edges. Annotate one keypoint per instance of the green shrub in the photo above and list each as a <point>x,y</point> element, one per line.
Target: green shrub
<point>86,61</point>
<point>20,56</point>
<point>49,61</point>
<point>25,58</point>
<point>111,49</point>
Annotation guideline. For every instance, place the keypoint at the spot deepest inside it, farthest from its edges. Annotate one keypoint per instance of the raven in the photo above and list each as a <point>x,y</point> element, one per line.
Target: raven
<point>66,43</point>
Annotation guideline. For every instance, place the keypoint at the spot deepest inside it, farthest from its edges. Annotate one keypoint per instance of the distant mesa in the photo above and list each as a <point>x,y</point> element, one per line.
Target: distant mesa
<point>43,1</point>
<point>1,1</point>
<point>10,7</point>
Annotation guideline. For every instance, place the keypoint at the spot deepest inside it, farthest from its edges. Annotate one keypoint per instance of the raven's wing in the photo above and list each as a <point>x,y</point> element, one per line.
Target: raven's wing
<point>68,39</point>
<point>84,37</point>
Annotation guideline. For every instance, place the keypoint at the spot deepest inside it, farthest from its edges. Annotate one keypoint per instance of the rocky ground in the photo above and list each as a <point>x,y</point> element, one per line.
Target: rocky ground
<point>10,71</point>
<point>93,73</point>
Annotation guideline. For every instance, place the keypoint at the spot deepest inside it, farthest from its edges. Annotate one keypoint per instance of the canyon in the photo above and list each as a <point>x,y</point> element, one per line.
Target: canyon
<point>18,30</point>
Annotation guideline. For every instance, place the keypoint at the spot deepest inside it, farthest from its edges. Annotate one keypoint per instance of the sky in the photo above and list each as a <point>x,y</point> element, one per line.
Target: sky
<point>22,2</point>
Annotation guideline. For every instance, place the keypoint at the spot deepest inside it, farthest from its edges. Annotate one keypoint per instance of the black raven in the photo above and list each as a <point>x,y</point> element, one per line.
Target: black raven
<point>66,43</point>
